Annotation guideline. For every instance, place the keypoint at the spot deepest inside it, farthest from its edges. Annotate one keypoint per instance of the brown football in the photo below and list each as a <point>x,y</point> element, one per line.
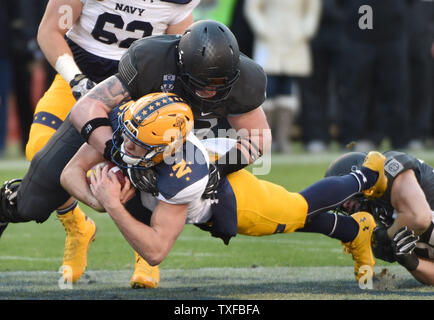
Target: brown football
<point>113,169</point>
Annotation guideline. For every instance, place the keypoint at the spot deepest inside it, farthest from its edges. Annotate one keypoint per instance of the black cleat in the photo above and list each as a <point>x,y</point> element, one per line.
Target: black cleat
<point>8,201</point>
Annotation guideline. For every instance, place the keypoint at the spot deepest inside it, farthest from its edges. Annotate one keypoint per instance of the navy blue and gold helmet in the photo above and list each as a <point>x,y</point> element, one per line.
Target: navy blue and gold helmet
<point>157,122</point>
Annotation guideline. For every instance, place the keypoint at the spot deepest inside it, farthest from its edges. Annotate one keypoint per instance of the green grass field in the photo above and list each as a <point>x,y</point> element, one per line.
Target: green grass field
<point>294,266</point>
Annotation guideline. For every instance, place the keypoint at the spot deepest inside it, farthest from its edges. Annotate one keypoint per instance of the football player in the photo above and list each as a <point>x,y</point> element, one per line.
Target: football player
<point>205,67</point>
<point>404,213</point>
<point>84,40</point>
<point>155,132</point>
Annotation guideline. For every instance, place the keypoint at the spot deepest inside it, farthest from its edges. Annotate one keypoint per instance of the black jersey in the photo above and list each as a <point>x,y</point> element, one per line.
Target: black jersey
<point>396,163</point>
<point>150,65</point>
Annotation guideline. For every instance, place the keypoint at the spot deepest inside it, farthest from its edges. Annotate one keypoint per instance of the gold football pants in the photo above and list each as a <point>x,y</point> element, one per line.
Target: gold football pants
<point>50,113</point>
<point>264,208</point>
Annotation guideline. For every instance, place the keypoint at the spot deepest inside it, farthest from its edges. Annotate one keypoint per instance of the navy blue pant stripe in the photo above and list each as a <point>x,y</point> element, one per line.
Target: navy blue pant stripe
<point>47,119</point>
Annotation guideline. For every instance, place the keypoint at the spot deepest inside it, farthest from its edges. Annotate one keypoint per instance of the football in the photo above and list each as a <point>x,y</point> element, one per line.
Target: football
<point>113,169</point>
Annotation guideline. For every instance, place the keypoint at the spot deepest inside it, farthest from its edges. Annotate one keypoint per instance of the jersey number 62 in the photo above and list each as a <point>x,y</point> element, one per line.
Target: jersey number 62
<point>108,37</point>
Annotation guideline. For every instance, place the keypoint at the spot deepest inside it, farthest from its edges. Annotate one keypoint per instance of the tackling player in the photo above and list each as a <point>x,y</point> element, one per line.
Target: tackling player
<point>404,213</point>
<point>84,40</point>
<point>155,132</point>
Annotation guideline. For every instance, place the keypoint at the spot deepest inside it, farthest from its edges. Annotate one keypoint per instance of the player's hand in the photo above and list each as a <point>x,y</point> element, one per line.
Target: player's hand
<point>403,243</point>
<point>213,182</point>
<point>144,180</point>
<point>105,188</point>
<point>127,191</point>
<point>80,85</point>
<point>381,244</point>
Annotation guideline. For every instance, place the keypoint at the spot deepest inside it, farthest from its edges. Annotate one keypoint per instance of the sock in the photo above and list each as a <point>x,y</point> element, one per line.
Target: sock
<point>333,225</point>
<point>329,192</point>
<point>366,177</point>
<point>68,209</point>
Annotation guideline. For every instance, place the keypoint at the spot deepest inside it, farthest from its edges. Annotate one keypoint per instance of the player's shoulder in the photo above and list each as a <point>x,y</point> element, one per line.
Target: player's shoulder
<point>146,62</point>
<point>156,45</point>
<point>183,177</point>
<point>397,162</point>
<point>249,90</point>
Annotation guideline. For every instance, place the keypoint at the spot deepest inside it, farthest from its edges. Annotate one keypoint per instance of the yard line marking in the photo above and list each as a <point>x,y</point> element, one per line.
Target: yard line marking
<point>29,258</point>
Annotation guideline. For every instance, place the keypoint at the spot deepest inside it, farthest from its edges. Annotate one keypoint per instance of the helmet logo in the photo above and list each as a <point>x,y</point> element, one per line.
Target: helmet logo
<point>168,83</point>
<point>180,123</point>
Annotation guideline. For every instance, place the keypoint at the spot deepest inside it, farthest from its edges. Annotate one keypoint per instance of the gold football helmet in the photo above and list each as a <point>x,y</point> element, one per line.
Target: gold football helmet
<point>158,122</point>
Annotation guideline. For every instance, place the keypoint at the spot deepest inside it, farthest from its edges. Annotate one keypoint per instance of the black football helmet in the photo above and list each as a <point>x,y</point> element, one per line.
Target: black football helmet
<point>208,60</point>
<point>345,164</point>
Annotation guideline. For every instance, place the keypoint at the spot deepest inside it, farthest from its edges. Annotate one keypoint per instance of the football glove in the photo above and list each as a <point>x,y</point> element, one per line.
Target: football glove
<point>403,244</point>
<point>381,244</point>
<point>80,85</point>
<point>213,182</point>
<point>144,180</point>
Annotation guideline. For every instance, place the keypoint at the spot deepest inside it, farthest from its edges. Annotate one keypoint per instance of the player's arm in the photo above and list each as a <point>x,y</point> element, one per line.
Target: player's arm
<point>254,139</point>
<point>180,27</point>
<point>73,177</point>
<point>97,104</point>
<point>152,242</point>
<point>58,18</point>
<point>403,244</point>
<point>424,272</point>
<point>409,201</point>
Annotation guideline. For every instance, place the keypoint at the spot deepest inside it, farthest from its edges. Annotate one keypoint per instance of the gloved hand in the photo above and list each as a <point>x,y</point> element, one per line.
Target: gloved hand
<point>403,244</point>
<point>213,182</point>
<point>144,180</point>
<point>381,244</point>
<point>80,85</point>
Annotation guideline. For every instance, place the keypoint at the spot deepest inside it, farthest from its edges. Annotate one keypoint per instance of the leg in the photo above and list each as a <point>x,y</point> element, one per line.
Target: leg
<point>354,78</point>
<point>260,213</point>
<point>291,211</point>
<point>50,113</point>
<point>286,107</point>
<point>315,101</point>
<point>40,193</point>
<point>393,86</point>
<point>144,276</point>
<point>80,232</point>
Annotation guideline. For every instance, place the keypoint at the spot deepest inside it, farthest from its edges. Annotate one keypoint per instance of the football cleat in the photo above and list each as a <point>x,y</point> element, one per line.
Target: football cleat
<point>361,247</point>
<point>8,202</point>
<point>80,232</point>
<point>145,276</point>
<point>375,161</point>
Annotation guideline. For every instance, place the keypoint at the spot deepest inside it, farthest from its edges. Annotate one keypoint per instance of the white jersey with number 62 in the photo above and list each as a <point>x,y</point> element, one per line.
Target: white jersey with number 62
<point>106,28</point>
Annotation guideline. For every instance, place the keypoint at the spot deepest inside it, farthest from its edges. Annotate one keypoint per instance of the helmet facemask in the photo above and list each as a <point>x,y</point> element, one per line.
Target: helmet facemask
<point>221,86</point>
